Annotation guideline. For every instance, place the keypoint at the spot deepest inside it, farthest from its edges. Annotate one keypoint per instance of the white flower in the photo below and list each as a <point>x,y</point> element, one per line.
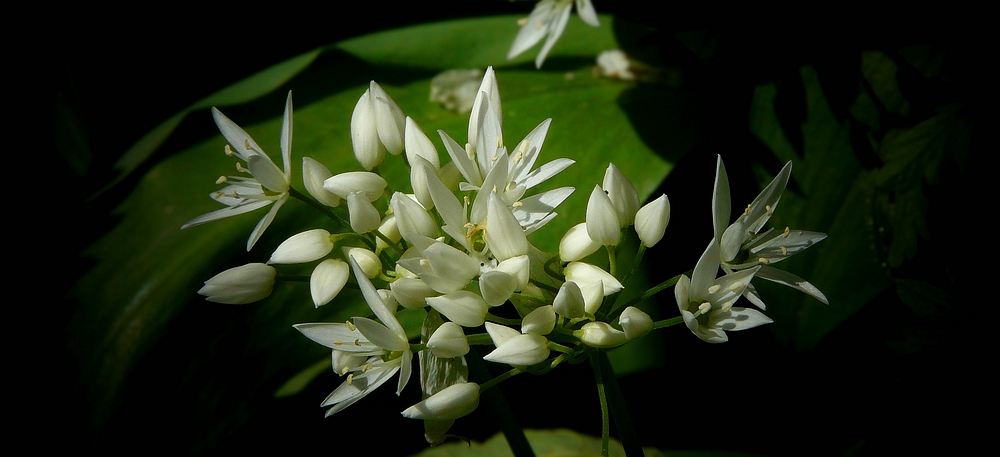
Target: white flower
<point>541,320</point>
<point>450,403</point>
<point>549,18</point>
<point>303,247</point>
<point>651,220</point>
<point>706,302</point>
<point>240,285</point>
<point>569,301</point>
<point>369,262</point>
<point>267,185</point>
<point>463,307</point>
<point>622,193</point>
<point>743,245</point>
<point>313,176</point>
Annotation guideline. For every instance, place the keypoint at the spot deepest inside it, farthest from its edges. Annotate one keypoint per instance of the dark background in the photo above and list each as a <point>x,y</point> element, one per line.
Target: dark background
<point>858,393</point>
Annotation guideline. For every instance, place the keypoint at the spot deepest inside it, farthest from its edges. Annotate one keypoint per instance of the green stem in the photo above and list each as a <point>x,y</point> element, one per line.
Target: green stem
<point>605,416</point>
<point>649,293</point>
<point>495,400</point>
<point>318,207</point>
<point>616,402</point>
<point>668,322</point>
<point>612,260</point>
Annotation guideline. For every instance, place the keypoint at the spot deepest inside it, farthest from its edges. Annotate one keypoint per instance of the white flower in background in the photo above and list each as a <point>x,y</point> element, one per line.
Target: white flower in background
<point>615,64</point>
<point>452,402</point>
<point>377,126</point>
<point>549,18</point>
<point>742,244</point>
<point>706,302</point>
<point>240,285</point>
<point>651,220</point>
<point>268,184</point>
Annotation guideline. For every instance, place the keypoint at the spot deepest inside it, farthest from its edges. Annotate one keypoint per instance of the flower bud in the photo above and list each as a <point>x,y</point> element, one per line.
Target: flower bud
<point>368,149</point>
<point>652,219</point>
<point>411,218</point>
<point>367,183</point>
<point>540,321</point>
<point>450,403</point>
<point>448,341</point>
<point>577,244</point>
<point>240,285</point>
<point>303,247</point>
<point>497,287</point>
<point>635,322</point>
<point>389,119</point>
<point>462,307</point>
<point>601,335</point>
<point>602,219</point>
<point>569,302</point>
<point>419,145</point>
<point>503,233</point>
<point>411,293</point>
<point>390,230</point>
<point>584,274</point>
<point>622,194</point>
<point>327,280</point>
<point>313,175</point>
<point>363,215</point>
<point>521,350</point>
<point>366,259</point>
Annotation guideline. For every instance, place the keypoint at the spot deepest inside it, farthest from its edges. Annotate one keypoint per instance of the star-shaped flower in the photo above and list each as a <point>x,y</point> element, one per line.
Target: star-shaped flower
<point>267,183</point>
<point>549,18</point>
<point>744,245</point>
<point>706,302</point>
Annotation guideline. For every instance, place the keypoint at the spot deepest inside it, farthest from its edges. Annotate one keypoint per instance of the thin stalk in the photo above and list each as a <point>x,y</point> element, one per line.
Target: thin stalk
<point>605,416</point>
<point>616,402</point>
<point>495,400</point>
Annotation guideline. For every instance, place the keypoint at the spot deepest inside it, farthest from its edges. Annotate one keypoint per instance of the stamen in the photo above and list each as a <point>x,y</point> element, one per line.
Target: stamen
<point>236,194</point>
<point>246,144</point>
<point>767,208</point>
<point>367,367</point>
<point>229,151</point>
<point>350,326</point>
<point>726,307</point>
<point>344,370</point>
<point>350,378</point>
<point>221,180</point>
<point>499,141</point>
<point>746,212</point>
<point>785,234</point>
<point>715,288</point>
<point>220,194</point>
<point>763,261</point>
<point>736,286</point>
<point>704,308</point>
<point>337,342</point>
<point>494,189</point>
<point>522,21</point>
<point>517,203</point>
<point>783,250</point>
<point>240,168</point>
<point>357,342</point>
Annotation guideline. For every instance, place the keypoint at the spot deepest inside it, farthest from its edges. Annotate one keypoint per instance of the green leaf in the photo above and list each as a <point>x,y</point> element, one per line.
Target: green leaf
<point>545,443</point>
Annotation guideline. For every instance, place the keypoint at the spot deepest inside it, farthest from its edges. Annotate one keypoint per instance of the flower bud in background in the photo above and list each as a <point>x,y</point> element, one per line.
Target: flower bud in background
<point>448,341</point>
<point>602,219</point>
<point>327,280</point>
<point>635,322</point>
<point>622,194</point>
<point>303,247</point>
<point>240,285</point>
<point>651,220</point>
<point>450,403</point>
<point>577,244</point>
<point>601,335</point>
<point>313,176</point>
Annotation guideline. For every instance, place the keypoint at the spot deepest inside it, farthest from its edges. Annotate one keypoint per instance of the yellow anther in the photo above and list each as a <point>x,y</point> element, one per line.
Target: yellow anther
<point>763,261</point>
<point>767,208</point>
<point>221,180</point>
<point>367,367</point>
<point>236,194</point>
<point>494,189</point>
<point>350,378</point>
<point>746,212</point>
<point>783,250</point>
<point>344,370</point>
<point>704,307</point>
<point>726,307</point>
<point>350,325</point>
<point>516,204</point>
<point>357,342</point>
<point>229,151</point>
<point>715,288</point>
<point>522,21</point>
<point>736,287</point>
<point>246,144</point>
<point>240,168</point>
<point>337,342</point>
<point>787,231</point>
<point>220,194</point>
<point>499,141</point>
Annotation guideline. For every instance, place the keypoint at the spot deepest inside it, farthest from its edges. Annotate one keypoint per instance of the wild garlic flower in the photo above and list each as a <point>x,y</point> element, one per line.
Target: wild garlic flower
<point>706,302</point>
<point>267,185</point>
<point>549,18</point>
<point>743,245</point>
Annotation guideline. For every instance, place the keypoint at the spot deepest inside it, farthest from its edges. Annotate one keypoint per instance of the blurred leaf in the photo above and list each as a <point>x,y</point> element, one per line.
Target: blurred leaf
<point>140,296</point>
<point>248,89</point>
<point>545,443</point>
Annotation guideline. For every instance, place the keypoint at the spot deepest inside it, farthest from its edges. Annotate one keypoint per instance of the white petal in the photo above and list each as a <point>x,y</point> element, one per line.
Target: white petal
<point>313,175</point>
<point>363,215</point>
<point>336,335</point>
<point>411,293</point>
<point>368,150</point>
<point>411,218</point>
<point>522,350</point>
<point>448,341</point>
<point>503,233</point>
<point>265,221</point>
<point>577,244</point>
<point>497,287</point>
<point>370,184</point>
<point>585,274</point>
<point>569,301</point>
<point>601,335</point>
<point>450,403</point>
<point>541,320</point>
<point>267,173</point>
<point>380,335</point>
<point>389,119</point>
<point>240,285</point>
<point>367,260</point>
<point>327,280</point>
<point>286,138</point>
<point>417,144</point>
<point>651,220</point>
<point>622,194</point>
<point>602,219</point>
<point>635,322</point>
<point>500,334</point>
<point>462,307</point>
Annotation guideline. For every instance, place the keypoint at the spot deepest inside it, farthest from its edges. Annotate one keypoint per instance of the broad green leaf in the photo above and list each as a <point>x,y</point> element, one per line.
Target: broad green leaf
<point>545,443</point>
<point>140,296</point>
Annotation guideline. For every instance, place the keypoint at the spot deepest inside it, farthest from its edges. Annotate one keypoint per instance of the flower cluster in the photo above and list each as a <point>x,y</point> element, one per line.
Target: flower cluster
<point>456,247</point>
